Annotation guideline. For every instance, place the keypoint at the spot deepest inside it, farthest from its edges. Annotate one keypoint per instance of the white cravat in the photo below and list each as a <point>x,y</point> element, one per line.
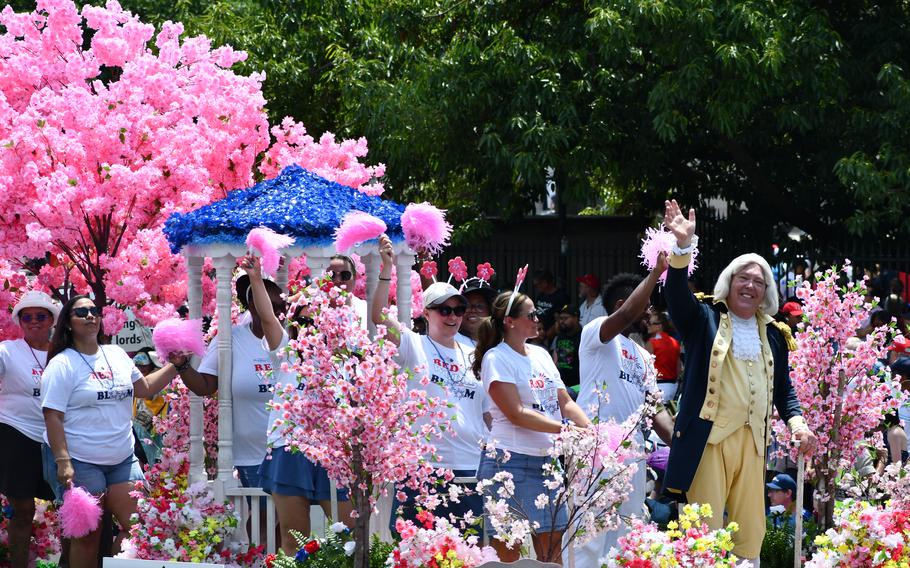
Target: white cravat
<point>746,341</point>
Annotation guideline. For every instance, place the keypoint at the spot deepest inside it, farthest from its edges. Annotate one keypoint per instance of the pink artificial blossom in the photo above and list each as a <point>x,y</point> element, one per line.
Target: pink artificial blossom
<point>485,271</point>
<point>458,269</point>
<point>428,270</point>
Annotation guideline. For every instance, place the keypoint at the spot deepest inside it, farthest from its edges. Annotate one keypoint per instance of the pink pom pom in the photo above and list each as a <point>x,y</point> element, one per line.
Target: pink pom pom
<point>178,336</point>
<point>266,243</point>
<point>657,241</point>
<point>80,513</point>
<point>425,228</point>
<point>357,227</point>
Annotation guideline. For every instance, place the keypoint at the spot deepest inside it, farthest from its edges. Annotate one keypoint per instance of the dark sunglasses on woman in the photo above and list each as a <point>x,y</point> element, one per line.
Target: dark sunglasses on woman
<point>83,312</point>
<point>344,275</point>
<point>29,318</point>
<point>446,311</point>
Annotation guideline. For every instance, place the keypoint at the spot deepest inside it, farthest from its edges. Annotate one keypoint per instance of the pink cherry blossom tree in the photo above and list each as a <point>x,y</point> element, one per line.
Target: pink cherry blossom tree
<point>353,413</point>
<point>100,142</point>
<point>843,391</point>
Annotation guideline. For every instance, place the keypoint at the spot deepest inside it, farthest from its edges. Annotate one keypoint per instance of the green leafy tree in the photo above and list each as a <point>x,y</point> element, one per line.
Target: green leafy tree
<point>795,109</point>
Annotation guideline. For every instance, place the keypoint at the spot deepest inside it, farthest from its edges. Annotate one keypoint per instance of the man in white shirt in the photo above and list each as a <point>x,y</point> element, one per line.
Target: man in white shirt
<point>616,376</point>
<point>590,305</point>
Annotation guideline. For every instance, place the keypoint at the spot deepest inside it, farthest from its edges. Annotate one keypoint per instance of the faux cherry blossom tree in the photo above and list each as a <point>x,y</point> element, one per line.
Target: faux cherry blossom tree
<point>843,392</point>
<point>102,138</point>
<point>352,412</point>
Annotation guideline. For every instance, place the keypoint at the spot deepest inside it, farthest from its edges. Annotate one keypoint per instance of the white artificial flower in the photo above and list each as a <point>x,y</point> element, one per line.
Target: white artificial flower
<point>349,547</point>
<point>338,527</point>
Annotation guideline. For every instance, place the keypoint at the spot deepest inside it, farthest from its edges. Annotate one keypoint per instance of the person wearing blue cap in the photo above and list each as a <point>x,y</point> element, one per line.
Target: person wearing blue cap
<point>782,495</point>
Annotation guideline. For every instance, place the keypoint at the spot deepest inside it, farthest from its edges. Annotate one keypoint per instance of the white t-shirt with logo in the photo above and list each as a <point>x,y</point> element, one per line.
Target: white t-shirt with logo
<point>95,395</point>
<point>623,371</point>
<point>251,389</point>
<point>619,368</point>
<point>537,379</point>
<point>280,356</point>
<point>20,387</point>
<point>465,340</point>
<point>452,380</point>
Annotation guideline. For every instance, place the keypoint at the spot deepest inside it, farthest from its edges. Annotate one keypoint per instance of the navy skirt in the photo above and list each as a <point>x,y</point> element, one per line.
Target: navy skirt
<point>292,474</point>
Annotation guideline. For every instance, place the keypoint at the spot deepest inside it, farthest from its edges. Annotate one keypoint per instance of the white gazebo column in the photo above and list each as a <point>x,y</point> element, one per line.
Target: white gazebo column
<point>371,264</point>
<point>194,299</point>
<point>403,262</point>
<point>224,267</point>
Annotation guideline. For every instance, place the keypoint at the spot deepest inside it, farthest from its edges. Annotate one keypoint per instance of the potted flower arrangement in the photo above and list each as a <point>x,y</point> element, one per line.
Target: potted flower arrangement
<point>686,542</point>
<point>874,534</point>
<point>336,550</point>
<point>436,543</point>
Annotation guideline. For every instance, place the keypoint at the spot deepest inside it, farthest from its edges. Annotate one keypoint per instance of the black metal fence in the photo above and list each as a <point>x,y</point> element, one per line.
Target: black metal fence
<point>605,246</point>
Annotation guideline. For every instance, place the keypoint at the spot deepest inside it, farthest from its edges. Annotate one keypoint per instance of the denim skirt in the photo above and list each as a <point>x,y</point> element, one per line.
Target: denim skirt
<point>528,477</point>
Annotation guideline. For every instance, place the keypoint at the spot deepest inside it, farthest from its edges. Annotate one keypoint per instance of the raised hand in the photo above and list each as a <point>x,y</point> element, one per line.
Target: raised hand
<point>677,223</point>
<point>662,263</point>
<point>385,251</point>
<point>252,265</point>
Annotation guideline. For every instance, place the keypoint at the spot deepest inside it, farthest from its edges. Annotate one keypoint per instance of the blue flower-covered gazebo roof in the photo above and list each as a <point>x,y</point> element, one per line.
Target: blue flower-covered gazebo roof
<point>297,203</point>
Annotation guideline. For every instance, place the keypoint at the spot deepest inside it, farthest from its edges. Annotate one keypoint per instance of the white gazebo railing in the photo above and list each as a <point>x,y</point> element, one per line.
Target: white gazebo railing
<point>224,257</point>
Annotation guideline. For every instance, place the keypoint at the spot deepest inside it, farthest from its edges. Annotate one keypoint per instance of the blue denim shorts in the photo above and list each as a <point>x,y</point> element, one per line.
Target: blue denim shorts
<point>528,476</point>
<point>50,473</point>
<point>97,478</point>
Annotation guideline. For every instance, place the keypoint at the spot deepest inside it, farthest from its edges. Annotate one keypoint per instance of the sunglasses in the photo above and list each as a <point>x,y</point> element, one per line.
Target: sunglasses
<point>344,275</point>
<point>446,311</point>
<point>29,318</point>
<point>83,312</point>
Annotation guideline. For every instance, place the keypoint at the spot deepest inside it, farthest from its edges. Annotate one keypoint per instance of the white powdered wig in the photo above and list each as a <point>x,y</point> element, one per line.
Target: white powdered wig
<point>769,304</point>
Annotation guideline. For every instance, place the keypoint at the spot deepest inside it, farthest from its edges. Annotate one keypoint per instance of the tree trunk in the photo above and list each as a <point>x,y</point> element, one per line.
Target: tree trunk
<point>361,503</point>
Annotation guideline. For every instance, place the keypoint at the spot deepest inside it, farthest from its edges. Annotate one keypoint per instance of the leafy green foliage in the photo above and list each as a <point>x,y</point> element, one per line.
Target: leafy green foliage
<point>795,109</point>
<point>331,554</point>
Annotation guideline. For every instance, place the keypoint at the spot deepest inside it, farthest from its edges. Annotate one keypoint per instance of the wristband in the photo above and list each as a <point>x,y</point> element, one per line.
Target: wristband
<point>566,422</point>
<point>183,367</point>
<point>681,251</point>
<point>385,279</point>
<point>58,460</point>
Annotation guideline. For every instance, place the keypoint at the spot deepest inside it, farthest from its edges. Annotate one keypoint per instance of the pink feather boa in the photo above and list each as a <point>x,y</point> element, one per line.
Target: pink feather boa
<point>657,241</point>
<point>79,514</point>
<point>425,228</point>
<point>266,243</point>
<point>357,227</point>
<point>178,336</point>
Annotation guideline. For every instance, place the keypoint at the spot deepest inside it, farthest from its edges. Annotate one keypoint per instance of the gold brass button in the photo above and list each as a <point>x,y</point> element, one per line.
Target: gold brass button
<point>714,363</point>
<point>711,404</point>
<point>713,379</point>
<point>711,390</point>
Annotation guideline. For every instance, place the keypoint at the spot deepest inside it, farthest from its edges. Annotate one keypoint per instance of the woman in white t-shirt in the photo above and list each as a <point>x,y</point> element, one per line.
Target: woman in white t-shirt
<point>447,364</point>
<point>530,405</point>
<point>22,362</point>
<point>88,409</point>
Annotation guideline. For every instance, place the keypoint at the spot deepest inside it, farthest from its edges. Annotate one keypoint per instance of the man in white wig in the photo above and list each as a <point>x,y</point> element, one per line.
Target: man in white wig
<point>736,368</point>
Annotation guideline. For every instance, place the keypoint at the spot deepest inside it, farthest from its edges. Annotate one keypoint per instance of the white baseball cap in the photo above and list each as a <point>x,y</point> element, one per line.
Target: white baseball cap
<point>36,299</point>
<point>439,292</point>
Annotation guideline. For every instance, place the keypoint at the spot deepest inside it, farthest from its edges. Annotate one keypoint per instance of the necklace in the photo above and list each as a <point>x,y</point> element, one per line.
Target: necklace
<point>463,362</point>
<point>92,369</point>
<point>40,366</point>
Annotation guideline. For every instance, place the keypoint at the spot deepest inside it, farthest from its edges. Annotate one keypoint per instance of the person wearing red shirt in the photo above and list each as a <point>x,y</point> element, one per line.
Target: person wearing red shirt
<point>666,354</point>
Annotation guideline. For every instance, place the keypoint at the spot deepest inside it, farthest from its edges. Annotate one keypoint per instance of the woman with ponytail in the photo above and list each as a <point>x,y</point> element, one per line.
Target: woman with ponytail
<point>530,405</point>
